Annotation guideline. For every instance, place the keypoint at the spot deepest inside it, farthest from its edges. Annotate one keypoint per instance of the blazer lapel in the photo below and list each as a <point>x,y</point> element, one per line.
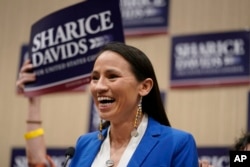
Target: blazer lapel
<point>92,150</point>
<point>148,142</point>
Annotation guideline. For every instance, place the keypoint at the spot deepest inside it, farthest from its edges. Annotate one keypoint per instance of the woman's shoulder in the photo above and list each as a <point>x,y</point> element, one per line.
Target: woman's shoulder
<point>87,140</point>
<point>178,133</point>
<point>177,138</point>
<point>88,136</point>
<point>168,131</point>
<point>91,137</point>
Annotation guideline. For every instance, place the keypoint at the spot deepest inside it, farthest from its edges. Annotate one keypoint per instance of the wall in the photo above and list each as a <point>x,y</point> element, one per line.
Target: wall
<point>215,116</point>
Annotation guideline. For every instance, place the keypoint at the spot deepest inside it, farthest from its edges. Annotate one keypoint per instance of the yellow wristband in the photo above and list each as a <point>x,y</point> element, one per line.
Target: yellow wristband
<point>34,133</point>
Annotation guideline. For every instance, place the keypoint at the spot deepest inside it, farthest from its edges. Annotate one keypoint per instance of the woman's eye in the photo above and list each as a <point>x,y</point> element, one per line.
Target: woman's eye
<point>112,76</point>
<point>94,78</point>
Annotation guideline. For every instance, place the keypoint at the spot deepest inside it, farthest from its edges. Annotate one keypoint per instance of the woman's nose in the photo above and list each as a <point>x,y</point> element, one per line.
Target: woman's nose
<point>101,85</point>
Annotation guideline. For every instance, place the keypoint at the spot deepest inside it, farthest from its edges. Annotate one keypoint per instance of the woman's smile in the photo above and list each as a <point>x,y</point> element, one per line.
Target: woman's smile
<point>105,103</point>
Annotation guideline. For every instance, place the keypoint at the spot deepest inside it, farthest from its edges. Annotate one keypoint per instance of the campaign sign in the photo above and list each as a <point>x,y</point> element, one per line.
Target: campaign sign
<point>210,59</point>
<point>24,55</point>
<point>64,44</point>
<point>143,17</point>
<point>94,117</point>
<point>239,158</point>
<point>18,156</point>
<point>216,156</point>
<point>248,113</point>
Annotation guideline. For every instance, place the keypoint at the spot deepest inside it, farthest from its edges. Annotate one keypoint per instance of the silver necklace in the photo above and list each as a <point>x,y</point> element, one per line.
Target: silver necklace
<point>109,163</point>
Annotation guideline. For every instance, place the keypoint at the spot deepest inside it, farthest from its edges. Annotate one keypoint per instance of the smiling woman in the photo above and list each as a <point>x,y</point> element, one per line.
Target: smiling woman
<point>134,129</point>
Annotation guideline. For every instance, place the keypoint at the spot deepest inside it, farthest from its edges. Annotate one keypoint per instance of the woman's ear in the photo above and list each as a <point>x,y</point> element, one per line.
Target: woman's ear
<point>146,86</point>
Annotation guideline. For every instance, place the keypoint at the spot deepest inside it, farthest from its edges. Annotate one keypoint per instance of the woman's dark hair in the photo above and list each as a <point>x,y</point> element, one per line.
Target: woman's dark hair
<point>242,142</point>
<point>142,69</point>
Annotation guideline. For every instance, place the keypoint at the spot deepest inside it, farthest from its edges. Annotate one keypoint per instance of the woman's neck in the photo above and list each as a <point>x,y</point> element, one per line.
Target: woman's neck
<point>120,134</point>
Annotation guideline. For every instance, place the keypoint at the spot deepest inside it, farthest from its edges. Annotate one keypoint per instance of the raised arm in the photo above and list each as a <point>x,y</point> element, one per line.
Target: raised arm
<point>34,136</point>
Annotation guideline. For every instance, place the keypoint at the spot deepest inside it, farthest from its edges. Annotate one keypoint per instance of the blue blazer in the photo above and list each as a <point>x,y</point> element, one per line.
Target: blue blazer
<point>161,146</point>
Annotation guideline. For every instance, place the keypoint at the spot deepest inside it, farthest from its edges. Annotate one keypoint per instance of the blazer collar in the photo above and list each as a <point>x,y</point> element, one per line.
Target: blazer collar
<point>148,142</point>
<point>93,149</point>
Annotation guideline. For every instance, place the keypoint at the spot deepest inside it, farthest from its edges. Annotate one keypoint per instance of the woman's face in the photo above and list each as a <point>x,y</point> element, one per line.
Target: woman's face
<point>114,88</point>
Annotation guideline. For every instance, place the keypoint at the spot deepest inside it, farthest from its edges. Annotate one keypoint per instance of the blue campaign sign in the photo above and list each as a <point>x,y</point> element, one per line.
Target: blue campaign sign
<point>24,55</point>
<point>217,156</point>
<point>94,119</point>
<point>144,17</point>
<point>64,44</point>
<point>248,112</point>
<point>210,59</point>
<point>19,159</point>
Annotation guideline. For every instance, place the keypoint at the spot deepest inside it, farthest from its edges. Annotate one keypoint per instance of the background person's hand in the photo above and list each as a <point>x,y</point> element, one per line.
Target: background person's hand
<point>25,75</point>
<point>204,163</point>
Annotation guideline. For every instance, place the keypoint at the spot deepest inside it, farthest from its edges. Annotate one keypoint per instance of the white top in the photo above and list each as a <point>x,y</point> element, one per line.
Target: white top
<point>104,153</point>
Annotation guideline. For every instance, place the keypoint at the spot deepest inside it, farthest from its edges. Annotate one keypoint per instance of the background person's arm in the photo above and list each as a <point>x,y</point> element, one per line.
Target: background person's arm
<point>35,143</point>
<point>34,136</point>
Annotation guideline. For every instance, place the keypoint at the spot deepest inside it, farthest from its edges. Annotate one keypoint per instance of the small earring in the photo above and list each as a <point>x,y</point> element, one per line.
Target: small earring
<point>134,132</point>
<point>100,136</point>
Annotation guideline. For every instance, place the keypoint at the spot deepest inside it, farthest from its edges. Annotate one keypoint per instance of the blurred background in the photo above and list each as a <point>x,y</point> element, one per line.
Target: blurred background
<point>216,116</point>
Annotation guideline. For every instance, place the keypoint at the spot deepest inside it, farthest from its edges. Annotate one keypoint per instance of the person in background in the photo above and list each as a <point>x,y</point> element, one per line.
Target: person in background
<point>204,163</point>
<point>243,142</point>
<point>134,129</point>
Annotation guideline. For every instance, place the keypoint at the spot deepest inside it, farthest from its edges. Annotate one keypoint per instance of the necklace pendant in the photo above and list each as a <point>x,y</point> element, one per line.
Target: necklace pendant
<point>109,163</point>
<point>134,133</point>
